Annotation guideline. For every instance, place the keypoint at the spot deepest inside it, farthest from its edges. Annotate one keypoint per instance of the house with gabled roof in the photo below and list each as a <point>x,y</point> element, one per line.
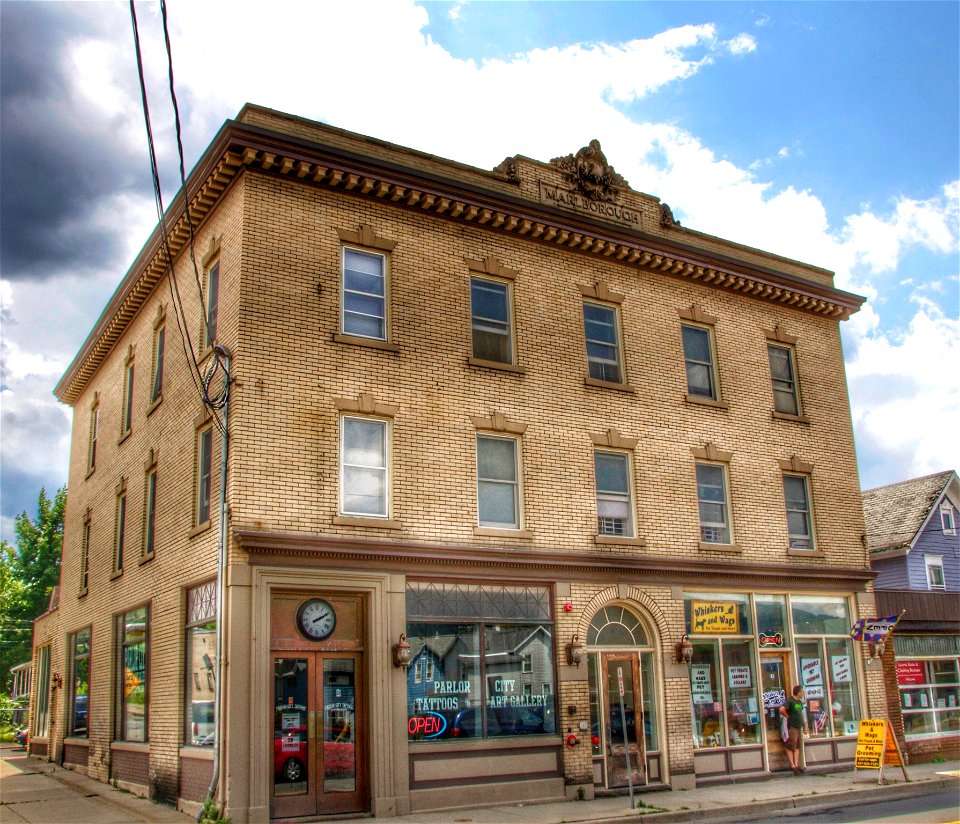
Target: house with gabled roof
<point>915,551</point>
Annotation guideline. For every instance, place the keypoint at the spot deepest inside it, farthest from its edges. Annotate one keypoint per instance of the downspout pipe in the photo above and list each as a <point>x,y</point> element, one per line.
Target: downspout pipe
<point>223,354</point>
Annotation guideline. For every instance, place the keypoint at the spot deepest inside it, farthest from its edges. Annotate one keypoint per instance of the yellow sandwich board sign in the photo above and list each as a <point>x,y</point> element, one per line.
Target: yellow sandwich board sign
<point>876,747</point>
<point>870,742</point>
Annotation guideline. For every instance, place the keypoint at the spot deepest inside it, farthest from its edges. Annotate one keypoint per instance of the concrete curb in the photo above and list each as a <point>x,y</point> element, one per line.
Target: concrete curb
<point>782,806</point>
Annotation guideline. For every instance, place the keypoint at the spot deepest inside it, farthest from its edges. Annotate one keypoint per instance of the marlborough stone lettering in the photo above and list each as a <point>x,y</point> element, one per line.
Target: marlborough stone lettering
<point>554,195</point>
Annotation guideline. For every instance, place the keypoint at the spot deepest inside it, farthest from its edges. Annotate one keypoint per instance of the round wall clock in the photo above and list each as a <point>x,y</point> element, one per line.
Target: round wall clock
<point>316,619</point>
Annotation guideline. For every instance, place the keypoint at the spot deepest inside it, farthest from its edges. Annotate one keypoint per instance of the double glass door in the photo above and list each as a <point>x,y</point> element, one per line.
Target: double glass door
<point>319,735</point>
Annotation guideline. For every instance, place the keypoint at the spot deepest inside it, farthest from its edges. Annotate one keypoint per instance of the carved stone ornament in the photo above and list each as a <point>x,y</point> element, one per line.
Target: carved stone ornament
<point>667,220</point>
<point>508,168</point>
<point>590,174</point>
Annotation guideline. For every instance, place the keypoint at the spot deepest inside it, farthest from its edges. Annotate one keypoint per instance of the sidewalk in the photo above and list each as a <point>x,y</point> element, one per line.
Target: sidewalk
<point>41,793</point>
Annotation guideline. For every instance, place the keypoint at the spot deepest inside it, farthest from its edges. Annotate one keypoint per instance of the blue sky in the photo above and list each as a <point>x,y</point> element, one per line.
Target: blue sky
<point>827,132</point>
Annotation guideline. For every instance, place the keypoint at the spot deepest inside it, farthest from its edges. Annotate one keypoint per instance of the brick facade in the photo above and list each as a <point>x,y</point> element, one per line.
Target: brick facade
<point>275,218</point>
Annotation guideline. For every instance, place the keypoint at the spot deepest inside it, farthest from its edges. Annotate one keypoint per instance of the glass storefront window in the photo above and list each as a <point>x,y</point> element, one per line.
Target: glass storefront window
<point>80,690</point>
<point>717,613</point>
<point>708,723</point>
<point>200,652</point>
<point>929,696</point>
<point>593,664</point>
<point>844,706</point>
<point>485,674</point>
<point>743,712</point>
<point>772,621</point>
<point>820,615</point>
<point>650,725</point>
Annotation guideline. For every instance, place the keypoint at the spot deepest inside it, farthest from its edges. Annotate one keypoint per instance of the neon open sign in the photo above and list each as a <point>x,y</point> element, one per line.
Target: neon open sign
<point>427,725</point>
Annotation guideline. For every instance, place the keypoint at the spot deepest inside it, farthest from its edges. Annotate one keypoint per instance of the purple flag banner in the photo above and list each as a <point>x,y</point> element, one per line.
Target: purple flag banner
<point>872,630</point>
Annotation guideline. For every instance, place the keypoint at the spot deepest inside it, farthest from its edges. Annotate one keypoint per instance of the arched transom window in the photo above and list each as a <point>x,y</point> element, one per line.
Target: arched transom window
<point>616,626</point>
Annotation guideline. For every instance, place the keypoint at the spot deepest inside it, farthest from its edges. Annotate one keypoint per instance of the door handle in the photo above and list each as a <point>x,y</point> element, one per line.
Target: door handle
<point>311,724</point>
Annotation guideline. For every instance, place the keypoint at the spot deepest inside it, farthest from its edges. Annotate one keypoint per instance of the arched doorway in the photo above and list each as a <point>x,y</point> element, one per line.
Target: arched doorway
<point>625,726</point>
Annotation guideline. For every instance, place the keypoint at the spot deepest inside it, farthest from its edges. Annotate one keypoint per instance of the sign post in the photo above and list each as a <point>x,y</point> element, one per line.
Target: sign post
<point>623,724</point>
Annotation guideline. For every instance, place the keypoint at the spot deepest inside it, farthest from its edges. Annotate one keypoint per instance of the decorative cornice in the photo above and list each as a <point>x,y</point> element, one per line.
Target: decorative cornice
<point>242,148</point>
<point>498,422</point>
<point>613,439</point>
<point>601,292</point>
<point>527,563</point>
<point>366,404</point>
<point>366,236</point>
<point>778,335</point>
<point>710,452</point>
<point>491,266</point>
<point>796,465</point>
<point>696,314</point>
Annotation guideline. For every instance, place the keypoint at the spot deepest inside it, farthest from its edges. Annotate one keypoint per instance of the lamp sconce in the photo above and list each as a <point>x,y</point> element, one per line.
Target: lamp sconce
<point>57,680</point>
<point>575,651</point>
<point>685,650</point>
<point>401,652</point>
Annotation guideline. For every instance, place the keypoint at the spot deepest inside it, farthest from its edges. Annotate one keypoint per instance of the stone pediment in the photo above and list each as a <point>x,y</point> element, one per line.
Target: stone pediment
<point>589,173</point>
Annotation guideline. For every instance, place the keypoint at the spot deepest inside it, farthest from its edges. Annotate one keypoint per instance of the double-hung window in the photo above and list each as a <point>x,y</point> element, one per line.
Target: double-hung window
<point>699,358</point>
<point>94,434</point>
<point>79,695</point>
<point>713,502</point>
<point>132,675</point>
<point>490,319</point>
<point>364,294</point>
<point>614,508</point>
<point>796,495</point>
<point>85,555</point>
<point>498,484</point>
<point>120,528</point>
<point>127,416</point>
<point>204,474</point>
<point>947,522</point>
<point>786,398</point>
<point>159,342</point>
<point>212,294</point>
<point>601,326</point>
<point>364,471</point>
<point>934,567</point>
<point>150,514</point>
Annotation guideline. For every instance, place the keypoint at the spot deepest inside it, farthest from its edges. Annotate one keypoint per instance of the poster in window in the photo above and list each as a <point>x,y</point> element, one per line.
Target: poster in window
<point>910,672</point>
<point>714,617</point>
<point>812,675</point>
<point>700,684</point>
<point>738,677</point>
<point>840,664</point>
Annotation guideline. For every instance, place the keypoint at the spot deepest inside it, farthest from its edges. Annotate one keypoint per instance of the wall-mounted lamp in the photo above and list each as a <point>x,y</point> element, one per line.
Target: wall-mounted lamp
<point>401,652</point>
<point>685,650</point>
<point>575,651</point>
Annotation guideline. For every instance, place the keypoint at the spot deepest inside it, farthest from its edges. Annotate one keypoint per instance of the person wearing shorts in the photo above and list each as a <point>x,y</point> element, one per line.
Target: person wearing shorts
<point>795,713</point>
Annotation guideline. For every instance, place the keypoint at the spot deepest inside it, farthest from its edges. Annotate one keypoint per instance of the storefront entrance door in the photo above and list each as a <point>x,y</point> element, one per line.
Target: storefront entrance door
<point>621,675</point>
<point>776,689</point>
<point>318,734</point>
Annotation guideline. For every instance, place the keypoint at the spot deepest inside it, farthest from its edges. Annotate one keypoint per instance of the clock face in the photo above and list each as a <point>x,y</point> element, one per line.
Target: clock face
<point>316,619</point>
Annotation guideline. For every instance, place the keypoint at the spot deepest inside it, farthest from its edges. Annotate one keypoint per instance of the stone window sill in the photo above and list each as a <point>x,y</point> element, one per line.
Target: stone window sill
<point>196,753</point>
<point>130,746</point>
<point>784,416</point>
<point>806,553</point>
<point>199,529</point>
<point>706,401</point>
<point>370,343</point>
<point>498,365</point>
<point>146,558</point>
<point>375,523</point>
<point>154,405</point>
<point>490,532</point>
<point>704,546</point>
<point>124,436</point>
<point>619,387</point>
<point>117,573</point>
<point>617,540</point>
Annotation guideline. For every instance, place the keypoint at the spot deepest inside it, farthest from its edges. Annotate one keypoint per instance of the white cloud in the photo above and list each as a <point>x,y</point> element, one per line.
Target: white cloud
<point>454,13</point>
<point>742,44</point>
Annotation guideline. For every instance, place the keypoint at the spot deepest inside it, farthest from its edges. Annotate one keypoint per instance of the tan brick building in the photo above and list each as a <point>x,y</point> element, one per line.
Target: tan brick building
<point>520,420</point>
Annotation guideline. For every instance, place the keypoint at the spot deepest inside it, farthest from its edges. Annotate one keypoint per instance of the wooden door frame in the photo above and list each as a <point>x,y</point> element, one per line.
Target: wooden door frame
<point>638,715</point>
<point>782,655</point>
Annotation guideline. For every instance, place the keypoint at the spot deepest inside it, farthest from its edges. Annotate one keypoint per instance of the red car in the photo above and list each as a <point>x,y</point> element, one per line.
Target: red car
<point>290,755</point>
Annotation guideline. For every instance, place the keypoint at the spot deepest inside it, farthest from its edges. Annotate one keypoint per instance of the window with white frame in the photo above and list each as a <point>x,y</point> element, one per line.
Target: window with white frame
<point>490,318</point>
<point>796,495</point>
<point>786,399</point>
<point>601,326</point>
<point>614,506</point>
<point>934,567</point>
<point>364,294</point>
<point>713,503</point>
<point>947,521</point>
<point>498,485</point>
<point>364,470</point>
<point>699,359</point>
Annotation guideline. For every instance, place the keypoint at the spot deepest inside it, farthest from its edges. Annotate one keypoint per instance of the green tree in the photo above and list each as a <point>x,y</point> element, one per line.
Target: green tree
<point>28,572</point>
